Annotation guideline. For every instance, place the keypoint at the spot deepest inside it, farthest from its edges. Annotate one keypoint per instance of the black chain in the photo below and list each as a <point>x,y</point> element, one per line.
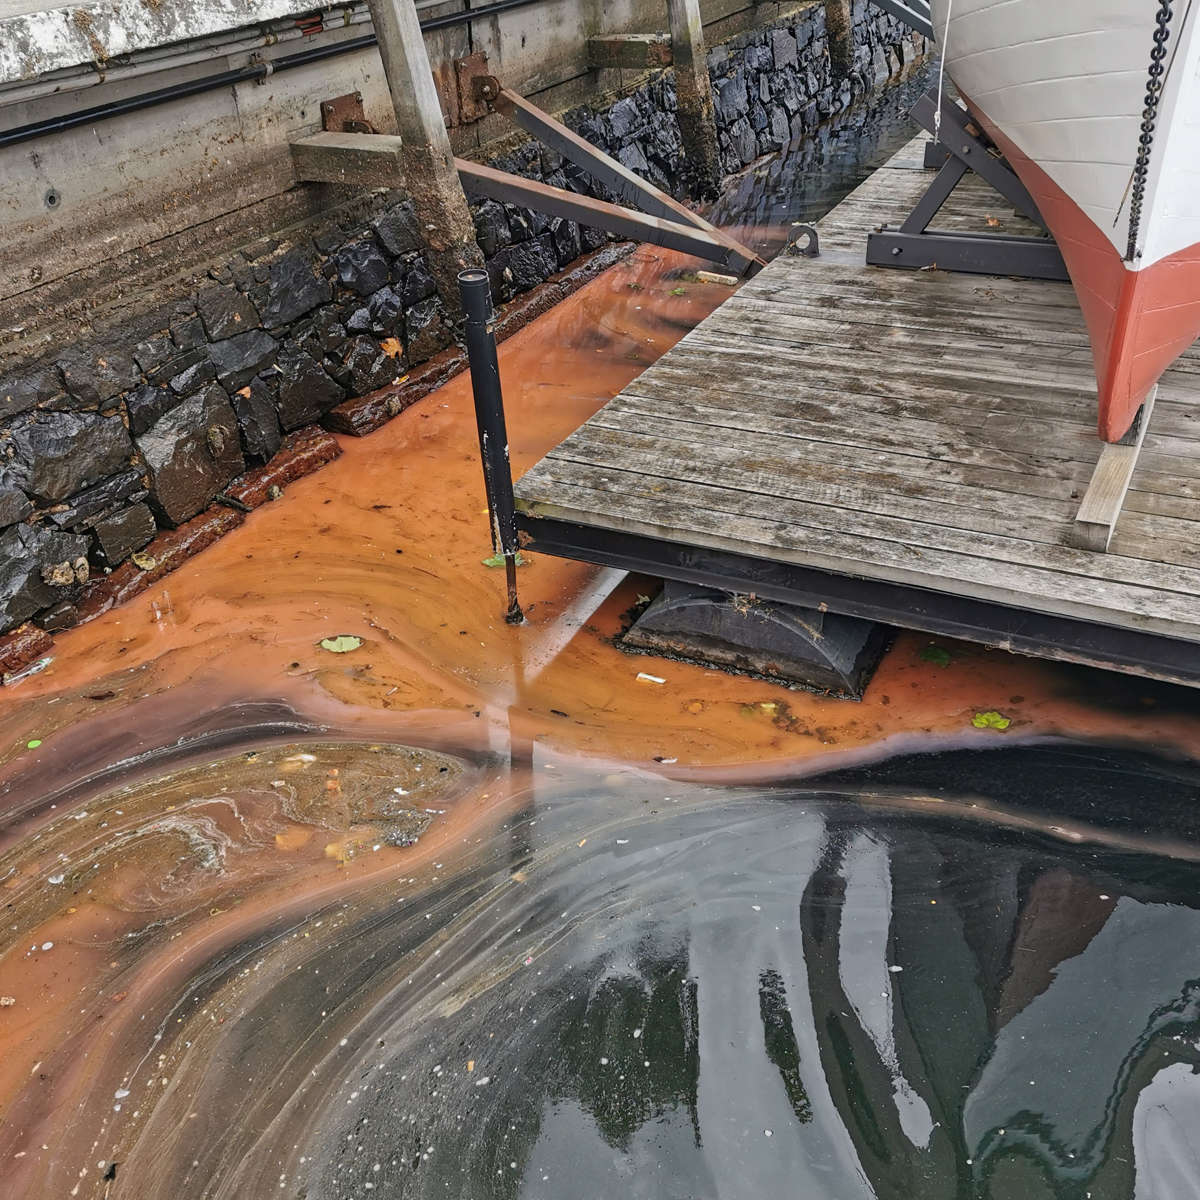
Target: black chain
<point>1154,89</point>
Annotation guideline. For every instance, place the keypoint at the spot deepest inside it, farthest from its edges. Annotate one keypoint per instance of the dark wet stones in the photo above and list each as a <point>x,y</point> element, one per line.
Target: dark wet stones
<point>194,377</point>
<point>397,230</point>
<point>36,564</point>
<point>257,421</point>
<point>291,290</point>
<point>154,351</point>
<point>368,368</point>
<point>57,453</point>
<point>522,266</point>
<point>783,49</point>
<point>188,333</point>
<point>192,453</point>
<point>14,504</point>
<point>29,387</point>
<point>118,536</point>
<point>383,310</point>
<point>225,312</point>
<point>418,283</point>
<point>305,389</point>
<point>239,359</point>
<point>491,228</point>
<point>85,508</point>
<point>146,404</point>
<point>93,376</point>
<point>361,267</point>
<point>428,331</point>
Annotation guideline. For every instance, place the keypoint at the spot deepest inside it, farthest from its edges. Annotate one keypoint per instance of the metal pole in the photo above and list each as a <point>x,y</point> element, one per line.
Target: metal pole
<point>476,296</point>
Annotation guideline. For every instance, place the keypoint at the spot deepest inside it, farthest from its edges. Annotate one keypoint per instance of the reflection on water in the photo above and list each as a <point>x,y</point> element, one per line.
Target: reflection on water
<point>811,176</point>
<point>859,986</point>
<point>280,922</point>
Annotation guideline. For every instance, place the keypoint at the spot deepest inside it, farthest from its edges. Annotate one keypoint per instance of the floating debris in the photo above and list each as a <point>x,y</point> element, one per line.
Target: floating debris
<point>343,643</point>
<point>990,720</point>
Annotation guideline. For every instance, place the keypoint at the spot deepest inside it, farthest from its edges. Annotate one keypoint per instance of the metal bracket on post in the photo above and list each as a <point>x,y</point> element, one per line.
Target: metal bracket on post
<point>476,294</point>
<point>915,246</point>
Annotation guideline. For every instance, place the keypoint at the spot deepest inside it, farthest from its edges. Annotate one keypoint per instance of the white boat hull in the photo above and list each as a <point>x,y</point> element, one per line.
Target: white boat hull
<point>1062,88</point>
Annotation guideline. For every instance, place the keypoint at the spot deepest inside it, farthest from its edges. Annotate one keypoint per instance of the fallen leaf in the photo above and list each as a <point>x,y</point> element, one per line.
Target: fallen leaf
<point>342,644</point>
<point>990,720</point>
<point>146,561</point>
<point>497,560</point>
<point>678,292</point>
<point>993,221</point>
<point>33,743</point>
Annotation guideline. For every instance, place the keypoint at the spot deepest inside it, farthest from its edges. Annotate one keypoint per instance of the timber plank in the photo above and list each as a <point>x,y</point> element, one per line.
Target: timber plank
<point>923,428</point>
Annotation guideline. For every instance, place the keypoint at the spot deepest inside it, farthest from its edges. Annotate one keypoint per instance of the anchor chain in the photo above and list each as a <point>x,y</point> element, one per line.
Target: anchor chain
<point>1154,90</point>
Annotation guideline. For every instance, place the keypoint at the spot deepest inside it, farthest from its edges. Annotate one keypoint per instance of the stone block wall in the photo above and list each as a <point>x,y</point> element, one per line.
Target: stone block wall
<point>140,427</point>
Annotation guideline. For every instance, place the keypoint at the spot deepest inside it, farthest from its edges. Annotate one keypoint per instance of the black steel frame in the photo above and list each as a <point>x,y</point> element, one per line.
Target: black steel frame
<point>1042,635</point>
<point>915,246</point>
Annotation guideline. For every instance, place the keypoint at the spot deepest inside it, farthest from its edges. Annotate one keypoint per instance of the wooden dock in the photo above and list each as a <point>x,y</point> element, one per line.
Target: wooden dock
<point>907,446</point>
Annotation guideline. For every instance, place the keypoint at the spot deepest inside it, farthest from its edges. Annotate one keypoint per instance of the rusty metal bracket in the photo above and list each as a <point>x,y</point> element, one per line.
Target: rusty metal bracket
<point>344,114</point>
<point>628,186</point>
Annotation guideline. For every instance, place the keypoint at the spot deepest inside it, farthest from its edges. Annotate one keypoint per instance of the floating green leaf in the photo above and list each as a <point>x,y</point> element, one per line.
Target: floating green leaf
<point>33,743</point>
<point>990,720</point>
<point>497,560</point>
<point>678,292</point>
<point>938,655</point>
<point>342,644</point>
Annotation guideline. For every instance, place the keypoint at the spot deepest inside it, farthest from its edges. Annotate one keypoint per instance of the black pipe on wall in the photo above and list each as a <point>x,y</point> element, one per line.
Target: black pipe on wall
<point>209,83</point>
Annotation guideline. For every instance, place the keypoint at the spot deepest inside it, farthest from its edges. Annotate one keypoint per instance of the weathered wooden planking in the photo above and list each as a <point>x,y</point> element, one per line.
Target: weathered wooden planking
<point>926,429</point>
<point>1097,518</point>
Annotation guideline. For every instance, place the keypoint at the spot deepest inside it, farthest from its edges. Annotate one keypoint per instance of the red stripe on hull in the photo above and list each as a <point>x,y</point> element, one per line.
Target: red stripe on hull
<point>1139,321</point>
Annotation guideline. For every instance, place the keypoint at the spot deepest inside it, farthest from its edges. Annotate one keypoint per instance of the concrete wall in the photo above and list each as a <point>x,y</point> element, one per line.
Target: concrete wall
<point>83,197</point>
<point>133,417</point>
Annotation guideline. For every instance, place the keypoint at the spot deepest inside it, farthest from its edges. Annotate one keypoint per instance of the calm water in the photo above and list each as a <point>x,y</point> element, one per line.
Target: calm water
<point>813,175</point>
<point>474,911</point>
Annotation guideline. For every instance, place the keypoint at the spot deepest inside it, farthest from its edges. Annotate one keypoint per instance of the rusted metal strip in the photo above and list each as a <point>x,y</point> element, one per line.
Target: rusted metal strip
<point>631,188</point>
<point>642,227</point>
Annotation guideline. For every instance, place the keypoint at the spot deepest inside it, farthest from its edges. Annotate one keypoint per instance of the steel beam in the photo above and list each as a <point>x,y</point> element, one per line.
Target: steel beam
<point>971,253</point>
<point>914,13</point>
<point>624,222</point>
<point>1042,635</point>
<point>629,187</point>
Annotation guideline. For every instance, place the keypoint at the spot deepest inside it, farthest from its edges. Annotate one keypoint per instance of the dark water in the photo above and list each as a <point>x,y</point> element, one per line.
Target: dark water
<point>960,975</point>
<point>811,176</point>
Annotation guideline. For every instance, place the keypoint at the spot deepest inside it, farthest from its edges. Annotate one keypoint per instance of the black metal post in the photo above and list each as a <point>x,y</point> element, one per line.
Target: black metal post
<point>476,296</point>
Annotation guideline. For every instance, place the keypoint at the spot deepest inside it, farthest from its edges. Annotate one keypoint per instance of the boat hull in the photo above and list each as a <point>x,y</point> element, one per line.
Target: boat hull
<point>1061,90</point>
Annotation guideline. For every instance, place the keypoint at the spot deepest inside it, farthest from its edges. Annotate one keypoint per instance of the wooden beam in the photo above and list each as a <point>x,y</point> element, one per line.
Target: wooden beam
<point>359,159</point>
<point>428,161</point>
<point>1105,495</point>
<point>697,117</point>
<point>839,29</point>
<point>630,51</point>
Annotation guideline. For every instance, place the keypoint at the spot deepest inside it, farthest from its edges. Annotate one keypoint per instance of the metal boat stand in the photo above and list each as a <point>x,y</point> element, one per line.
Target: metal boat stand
<point>963,147</point>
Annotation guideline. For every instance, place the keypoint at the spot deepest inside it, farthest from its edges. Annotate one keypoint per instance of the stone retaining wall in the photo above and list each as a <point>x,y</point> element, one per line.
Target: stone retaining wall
<point>143,425</point>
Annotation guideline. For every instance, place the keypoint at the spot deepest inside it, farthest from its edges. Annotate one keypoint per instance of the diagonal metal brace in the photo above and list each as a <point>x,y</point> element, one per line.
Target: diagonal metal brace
<point>915,246</point>
<point>628,186</point>
<point>968,147</point>
<point>624,222</point>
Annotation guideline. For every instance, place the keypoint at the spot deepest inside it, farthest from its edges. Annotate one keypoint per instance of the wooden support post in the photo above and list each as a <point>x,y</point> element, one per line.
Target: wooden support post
<point>697,117</point>
<point>839,29</point>
<point>433,185</point>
